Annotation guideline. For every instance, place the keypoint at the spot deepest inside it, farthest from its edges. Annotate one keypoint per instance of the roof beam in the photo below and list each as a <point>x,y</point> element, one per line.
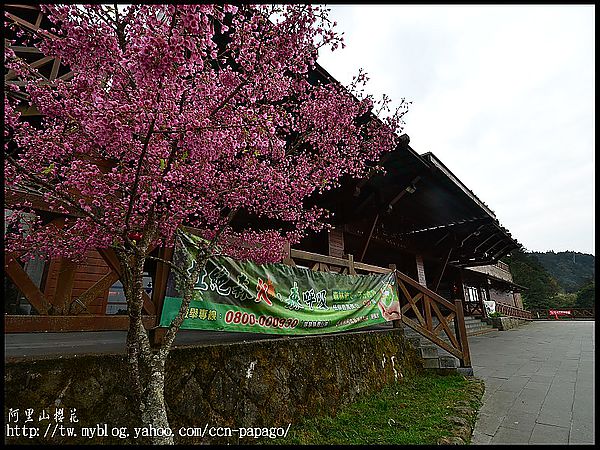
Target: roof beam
<point>410,188</point>
<point>499,253</point>
<point>474,233</point>
<point>502,239</point>
<point>447,225</point>
<point>485,241</point>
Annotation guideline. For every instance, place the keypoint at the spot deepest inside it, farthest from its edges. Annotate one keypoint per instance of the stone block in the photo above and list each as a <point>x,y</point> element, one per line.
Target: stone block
<point>432,363</point>
<point>447,362</point>
<point>465,371</point>
<point>429,351</point>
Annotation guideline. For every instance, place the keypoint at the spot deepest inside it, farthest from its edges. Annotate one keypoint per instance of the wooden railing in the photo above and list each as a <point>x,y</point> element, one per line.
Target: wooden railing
<point>318,262</point>
<point>512,311</point>
<point>474,308</point>
<point>421,309</point>
<point>432,314</point>
<point>503,266</point>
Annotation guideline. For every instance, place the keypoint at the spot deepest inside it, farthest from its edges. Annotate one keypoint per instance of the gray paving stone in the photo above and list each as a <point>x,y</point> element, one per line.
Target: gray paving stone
<point>529,402</point>
<point>515,384</point>
<point>540,388</point>
<point>488,423</point>
<point>496,409</point>
<point>555,417</point>
<point>581,433</point>
<point>558,402</point>
<point>545,379</point>
<point>480,438</point>
<point>548,434</point>
<point>510,436</point>
<point>519,420</point>
<point>528,406</point>
<point>583,403</point>
<point>502,396</point>
<point>564,377</point>
<point>541,377</point>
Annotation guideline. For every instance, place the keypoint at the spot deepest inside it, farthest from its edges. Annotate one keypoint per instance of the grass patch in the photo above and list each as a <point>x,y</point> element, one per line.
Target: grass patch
<point>413,411</point>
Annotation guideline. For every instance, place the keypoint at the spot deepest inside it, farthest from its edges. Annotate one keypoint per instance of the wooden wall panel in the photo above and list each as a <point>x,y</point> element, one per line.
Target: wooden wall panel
<point>336,242</point>
<point>86,275</point>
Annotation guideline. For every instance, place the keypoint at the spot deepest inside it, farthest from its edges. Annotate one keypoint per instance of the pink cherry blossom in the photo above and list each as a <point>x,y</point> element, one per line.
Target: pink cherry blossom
<point>177,114</point>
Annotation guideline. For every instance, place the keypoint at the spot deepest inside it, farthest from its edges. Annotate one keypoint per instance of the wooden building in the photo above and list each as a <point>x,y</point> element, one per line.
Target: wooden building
<point>417,217</point>
<point>420,217</point>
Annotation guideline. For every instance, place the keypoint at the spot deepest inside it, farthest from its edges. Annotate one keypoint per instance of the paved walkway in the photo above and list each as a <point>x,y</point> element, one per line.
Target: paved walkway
<point>539,384</point>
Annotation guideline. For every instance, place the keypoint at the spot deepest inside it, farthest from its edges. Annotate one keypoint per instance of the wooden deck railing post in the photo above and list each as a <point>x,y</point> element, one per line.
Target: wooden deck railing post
<point>398,322</point>
<point>481,305</point>
<point>461,332</point>
<point>351,269</point>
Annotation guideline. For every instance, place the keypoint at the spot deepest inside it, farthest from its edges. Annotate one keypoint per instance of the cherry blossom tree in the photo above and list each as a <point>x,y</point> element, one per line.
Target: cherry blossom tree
<point>183,115</point>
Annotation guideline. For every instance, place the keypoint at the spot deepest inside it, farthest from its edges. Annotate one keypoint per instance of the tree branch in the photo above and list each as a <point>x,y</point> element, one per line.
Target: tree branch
<point>229,97</point>
<point>51,189</point>
<point>188,294</point>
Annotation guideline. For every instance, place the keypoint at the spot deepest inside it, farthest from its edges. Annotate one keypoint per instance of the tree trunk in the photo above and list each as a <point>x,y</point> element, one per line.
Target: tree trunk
<point>153,406</point>
<point>147,368</point>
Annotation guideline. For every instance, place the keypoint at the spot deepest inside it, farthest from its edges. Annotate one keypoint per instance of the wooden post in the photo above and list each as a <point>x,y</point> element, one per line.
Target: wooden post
<point>461,287</point>
<point>157,334</point>
<point>287,255</point>
<point>461,332</point>
<point>362,255</point>
<point>437,282</point>
<point>351,270</point>
<point>427,306</point>
<point>482,305</point>
<point>335,239</point>
<point>398,322</point>
<point>420,270</point>
<point>64,285</point>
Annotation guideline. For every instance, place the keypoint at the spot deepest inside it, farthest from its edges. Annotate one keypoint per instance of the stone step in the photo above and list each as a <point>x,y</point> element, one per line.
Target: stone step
<point>478,328</point>
<point>448,362</point>
<point>429,351</point>
<point>486,330</point>
<point>442,362</point>
<point>434,357</point>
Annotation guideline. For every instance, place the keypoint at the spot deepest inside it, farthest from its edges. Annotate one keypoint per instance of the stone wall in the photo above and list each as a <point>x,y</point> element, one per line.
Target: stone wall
<point>506,323</point>
<point>262,383</point>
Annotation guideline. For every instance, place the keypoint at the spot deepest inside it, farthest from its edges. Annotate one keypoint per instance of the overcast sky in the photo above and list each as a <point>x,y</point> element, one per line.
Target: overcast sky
<point>503,95</point>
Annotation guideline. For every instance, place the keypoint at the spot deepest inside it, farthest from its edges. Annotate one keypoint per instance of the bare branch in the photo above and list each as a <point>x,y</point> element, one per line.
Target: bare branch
<point>188,293</point>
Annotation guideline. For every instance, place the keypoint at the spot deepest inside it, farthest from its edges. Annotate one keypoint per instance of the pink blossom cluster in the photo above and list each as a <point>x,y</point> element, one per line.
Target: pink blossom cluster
<point>186,115</point>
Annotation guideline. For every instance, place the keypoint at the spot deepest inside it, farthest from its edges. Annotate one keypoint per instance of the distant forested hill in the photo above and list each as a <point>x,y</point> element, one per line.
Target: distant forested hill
<point>572,270</point>
<point>542,288</point>
<point>554,280</point>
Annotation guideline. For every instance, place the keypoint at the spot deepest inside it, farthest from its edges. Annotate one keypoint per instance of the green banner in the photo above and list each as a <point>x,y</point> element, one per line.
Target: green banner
<point>231,295</point>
